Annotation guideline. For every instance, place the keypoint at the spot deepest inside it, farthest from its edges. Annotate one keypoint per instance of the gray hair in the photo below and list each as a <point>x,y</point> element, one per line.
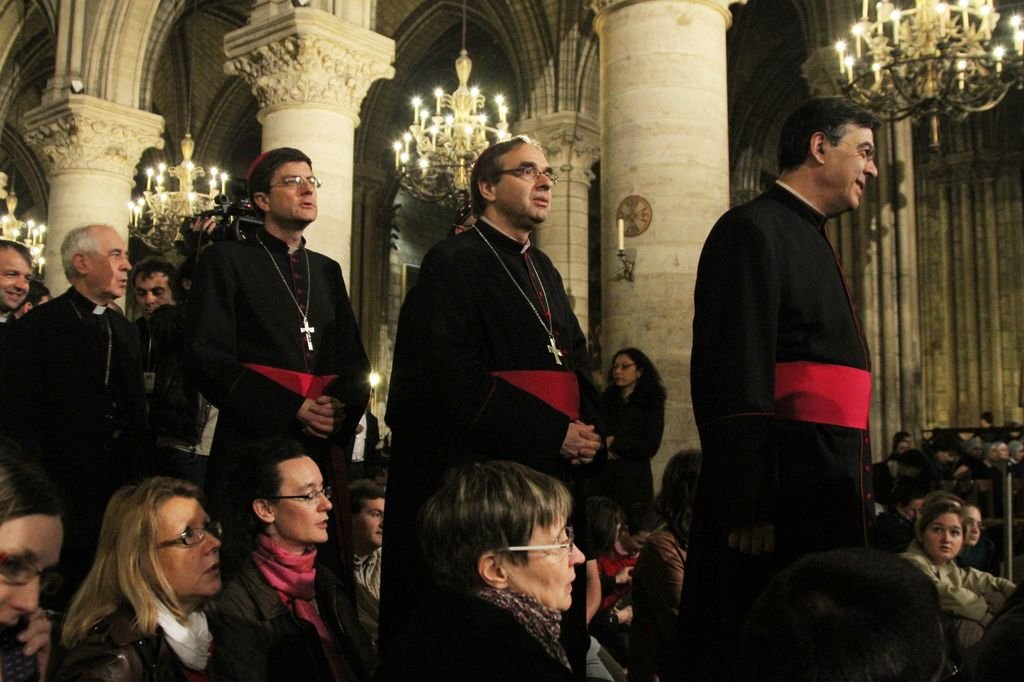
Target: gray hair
<point>79,240</point>
<point>483,507</point>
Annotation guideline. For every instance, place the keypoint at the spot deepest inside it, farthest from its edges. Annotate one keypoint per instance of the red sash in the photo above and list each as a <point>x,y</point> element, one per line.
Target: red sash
<point>824,394</point>
<point>306,385</point>
<point>560,390</point>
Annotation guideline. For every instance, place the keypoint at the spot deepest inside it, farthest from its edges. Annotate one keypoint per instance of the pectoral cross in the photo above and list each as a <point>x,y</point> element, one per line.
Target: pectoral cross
<point>308,331</point>
<point>553,349</point>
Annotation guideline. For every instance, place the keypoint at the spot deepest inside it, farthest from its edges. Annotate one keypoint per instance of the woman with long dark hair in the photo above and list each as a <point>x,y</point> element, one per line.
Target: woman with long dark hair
<point>633,407</point>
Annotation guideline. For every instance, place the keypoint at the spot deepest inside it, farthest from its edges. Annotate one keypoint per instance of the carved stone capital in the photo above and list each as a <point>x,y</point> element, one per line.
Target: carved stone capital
<point>87,133</point>
<point>572,142</point>
<point>309,58</point>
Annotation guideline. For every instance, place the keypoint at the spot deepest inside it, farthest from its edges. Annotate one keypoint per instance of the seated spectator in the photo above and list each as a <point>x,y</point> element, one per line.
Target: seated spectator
<point>979,551</point>
<point>894,528</point>
<point>995,457</point>
<point>946,460</point>
<point>1000,654</point>
<point>30,537</point>
<point>367,502</point>
<point>604,518</point>
<point>884,473</point>
<point>615,614</point>
<point>969,596</point>
<point>846,614</point>
<point>972,451</point>
<point>658,575</point>
<point>503,559</point>
<point>282,615</point>
<point>140,614</point>
<point>1016,462</point>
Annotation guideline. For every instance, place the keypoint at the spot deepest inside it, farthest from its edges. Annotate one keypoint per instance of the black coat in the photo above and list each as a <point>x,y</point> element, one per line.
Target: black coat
<point>637,425</point>
<point>257,638</point>
<point>63,415</point>
<point>461,637</point>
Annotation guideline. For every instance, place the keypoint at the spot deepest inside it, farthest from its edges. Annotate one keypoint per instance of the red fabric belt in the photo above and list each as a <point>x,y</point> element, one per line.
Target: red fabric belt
<point>306,385</point>
<point>825,394</point>
<point>560,390</point>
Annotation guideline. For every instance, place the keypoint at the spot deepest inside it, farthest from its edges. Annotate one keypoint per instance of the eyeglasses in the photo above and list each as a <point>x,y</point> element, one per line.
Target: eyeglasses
<point>564,548</point>
<point>298,182</point>
<point>625,366</point>
<point>16,570</point>
<point>190,537</point>
<point>530,173</point>
<point>310,497</point>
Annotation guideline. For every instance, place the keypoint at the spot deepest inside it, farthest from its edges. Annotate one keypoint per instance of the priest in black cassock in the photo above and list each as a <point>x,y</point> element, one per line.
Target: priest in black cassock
<point>75,398</point>
<point>490,363</point>
<point>780,384</point>
<point>271,338</point>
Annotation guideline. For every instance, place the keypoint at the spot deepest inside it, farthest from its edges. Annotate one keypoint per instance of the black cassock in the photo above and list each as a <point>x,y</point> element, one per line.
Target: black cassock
<point>781,390</point>
<point>242,313</point>
<point>462,321</point>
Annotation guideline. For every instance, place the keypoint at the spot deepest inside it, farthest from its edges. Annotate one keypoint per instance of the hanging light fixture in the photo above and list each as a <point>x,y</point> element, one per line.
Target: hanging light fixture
<point>27,232</point>
<point>156,217</point>
<point>933,59</point>
<point>435,155</point>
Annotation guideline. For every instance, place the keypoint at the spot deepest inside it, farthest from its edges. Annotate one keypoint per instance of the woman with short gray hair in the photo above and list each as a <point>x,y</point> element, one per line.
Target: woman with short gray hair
<point>503,559</point>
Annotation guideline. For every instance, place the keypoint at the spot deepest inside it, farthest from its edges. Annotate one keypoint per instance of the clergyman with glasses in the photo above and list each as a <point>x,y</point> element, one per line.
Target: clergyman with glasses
<point>271,339</point>
<point>501,366</point>
<point>781,384</point>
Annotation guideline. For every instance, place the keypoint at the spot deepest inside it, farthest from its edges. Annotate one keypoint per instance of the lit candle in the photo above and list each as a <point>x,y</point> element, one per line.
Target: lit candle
<point>416,101</point>
<point>896,27</point>
<point>42,264</point>
<point>438,94</point>
<point>841,49</point>
<point>149,179</point>
<point>397,146</point>
<point>622,234</point>
<point>224,183</point>
<point>864,9</point>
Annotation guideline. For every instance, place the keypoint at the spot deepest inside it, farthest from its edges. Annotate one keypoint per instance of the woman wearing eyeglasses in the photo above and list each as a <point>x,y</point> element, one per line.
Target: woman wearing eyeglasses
<point>633,407</point>
<point>503,560</point>
<point>30,537</point>
<point>282,615</point>
<point>140,614</point>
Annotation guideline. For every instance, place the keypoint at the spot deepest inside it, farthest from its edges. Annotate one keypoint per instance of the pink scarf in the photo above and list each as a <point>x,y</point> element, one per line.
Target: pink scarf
<point>294,577</point>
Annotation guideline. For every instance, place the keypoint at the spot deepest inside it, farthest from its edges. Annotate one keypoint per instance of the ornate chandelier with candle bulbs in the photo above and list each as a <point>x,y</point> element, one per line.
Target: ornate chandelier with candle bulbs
<point>29,233</point>
<point>435,155</point>
<point>931,59</point>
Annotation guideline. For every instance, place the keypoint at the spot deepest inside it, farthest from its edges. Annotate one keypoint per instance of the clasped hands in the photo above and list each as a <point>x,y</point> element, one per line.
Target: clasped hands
<point>321,417</point>
<point>581,443</point>
<point>756,539</point>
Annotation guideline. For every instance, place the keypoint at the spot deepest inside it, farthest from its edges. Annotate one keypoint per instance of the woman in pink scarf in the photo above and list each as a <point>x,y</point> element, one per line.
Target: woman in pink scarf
<point>282,615</point>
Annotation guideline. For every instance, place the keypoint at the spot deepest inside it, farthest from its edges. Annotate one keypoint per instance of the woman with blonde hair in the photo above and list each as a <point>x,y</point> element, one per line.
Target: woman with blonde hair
<point>139,616</point>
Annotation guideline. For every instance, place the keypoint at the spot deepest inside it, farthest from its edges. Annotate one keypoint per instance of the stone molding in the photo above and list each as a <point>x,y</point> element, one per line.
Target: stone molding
<point>82,132</point>
<point>571,142</point>
<point>309,57</point>
<point>602,8</point>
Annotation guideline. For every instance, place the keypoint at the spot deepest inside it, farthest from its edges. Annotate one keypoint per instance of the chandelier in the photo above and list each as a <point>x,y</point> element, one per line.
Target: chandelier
<point>930,60</point>
<point>158,215</point>
<point>29,233</point>
<point>435,155</point>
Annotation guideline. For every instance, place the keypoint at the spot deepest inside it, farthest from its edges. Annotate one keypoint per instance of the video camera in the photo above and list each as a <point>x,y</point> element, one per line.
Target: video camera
<point>235,220</point>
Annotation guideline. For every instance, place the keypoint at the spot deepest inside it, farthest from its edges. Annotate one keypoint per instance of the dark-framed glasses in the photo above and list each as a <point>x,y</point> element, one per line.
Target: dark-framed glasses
<point>17,570</point>
<point>310,498</point>
<point>190,537</point>
<point>562,548</point>
<point>298,182</point>
<point>530,173</point>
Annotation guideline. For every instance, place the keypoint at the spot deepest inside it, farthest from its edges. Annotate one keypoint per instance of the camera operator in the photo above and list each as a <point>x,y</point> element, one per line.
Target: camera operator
<point>271,338</point>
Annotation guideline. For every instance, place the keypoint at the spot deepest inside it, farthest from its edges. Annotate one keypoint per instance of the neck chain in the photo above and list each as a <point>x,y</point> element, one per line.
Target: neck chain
<point>305,329</point>
<point>110,339</point>
<point>550,326</point>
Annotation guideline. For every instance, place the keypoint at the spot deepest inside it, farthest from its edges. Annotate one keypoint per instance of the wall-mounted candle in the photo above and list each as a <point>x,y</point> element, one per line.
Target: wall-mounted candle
<point>622,234</point>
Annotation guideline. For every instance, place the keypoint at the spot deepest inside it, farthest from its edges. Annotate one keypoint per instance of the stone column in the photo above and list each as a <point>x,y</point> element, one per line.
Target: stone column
<point>90,148</point>
<point>663,100</point>
<point>310,71</point>
<point>571,143</point>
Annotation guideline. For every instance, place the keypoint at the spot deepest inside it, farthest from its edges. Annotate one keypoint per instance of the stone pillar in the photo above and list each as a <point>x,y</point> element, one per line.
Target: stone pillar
<point>310,71</point>
<point>571,143</point>
<point>663,100</point>
<point>90,148</point>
